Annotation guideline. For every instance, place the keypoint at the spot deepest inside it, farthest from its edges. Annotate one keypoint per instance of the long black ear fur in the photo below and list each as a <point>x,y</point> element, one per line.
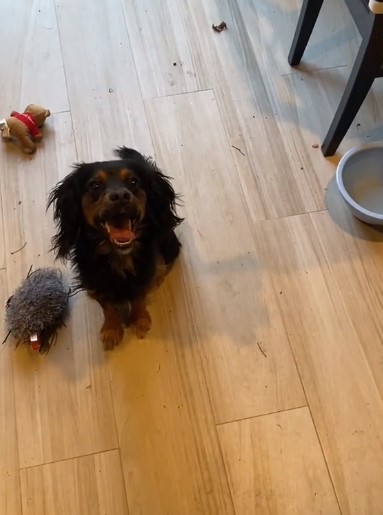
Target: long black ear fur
<point>162,200</point>
<point>67,213</point>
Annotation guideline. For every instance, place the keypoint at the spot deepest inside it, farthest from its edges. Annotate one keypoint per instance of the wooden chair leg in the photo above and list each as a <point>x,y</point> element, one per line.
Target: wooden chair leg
<point>364,71</point>
<point>307,18</point>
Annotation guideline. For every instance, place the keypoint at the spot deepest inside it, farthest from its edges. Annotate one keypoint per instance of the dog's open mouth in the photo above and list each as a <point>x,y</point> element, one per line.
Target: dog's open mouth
<point>121,231</point>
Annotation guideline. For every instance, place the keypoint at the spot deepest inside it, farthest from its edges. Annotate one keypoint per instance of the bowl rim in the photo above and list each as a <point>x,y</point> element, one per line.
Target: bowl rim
<point>340,183</point>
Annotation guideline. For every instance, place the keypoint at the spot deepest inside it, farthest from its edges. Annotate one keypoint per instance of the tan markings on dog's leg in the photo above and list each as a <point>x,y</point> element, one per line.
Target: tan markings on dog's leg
<point>140,320</point>
<point>112,330</point>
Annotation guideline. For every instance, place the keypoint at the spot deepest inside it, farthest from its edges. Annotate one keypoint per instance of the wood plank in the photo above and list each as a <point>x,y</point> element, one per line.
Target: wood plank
<point>246,355</point>
<point>275,465</point>
<point>64,405</point>
<point>270,26</point>
<point>343,396</point>
<point>356,263</point>
<point>166,51</point>
<point>169,445</point>
<point>89,485</point>
<point>265,114</point>
<point>303,129</point>
<point>9,460</point>
<point>273,185</point>
<point>42,52</point>
<point>30,30</point>
<point>104,93</point>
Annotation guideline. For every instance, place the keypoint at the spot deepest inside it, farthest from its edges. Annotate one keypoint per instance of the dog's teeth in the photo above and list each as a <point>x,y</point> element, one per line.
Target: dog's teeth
<point>121,244</point>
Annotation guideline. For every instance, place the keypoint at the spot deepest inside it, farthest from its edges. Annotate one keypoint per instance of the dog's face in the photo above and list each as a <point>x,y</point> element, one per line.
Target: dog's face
<point>119,201</point>
<point>113,201</point>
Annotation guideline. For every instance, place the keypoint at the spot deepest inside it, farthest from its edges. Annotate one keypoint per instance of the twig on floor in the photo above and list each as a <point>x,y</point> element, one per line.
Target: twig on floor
<point>260,348</point>
<point>18,250</point>
<point>239,150</point>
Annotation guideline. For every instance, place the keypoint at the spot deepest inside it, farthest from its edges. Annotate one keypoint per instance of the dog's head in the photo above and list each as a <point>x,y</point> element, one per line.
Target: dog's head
<point>119,201</point>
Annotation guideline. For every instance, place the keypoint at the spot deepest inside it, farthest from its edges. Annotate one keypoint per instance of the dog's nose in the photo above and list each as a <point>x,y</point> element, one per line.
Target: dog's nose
<point>119,195</point>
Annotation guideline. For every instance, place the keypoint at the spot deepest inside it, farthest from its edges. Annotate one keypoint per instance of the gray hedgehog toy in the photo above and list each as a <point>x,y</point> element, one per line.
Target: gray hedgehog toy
<point>38,308</point>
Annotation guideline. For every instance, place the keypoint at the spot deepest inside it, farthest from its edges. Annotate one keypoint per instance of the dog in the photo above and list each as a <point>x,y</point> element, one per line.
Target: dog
<point>115,223</point>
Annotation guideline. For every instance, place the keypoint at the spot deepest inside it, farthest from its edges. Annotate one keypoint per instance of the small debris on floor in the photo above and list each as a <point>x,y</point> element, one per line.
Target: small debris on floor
<point>262,351</point>
<point>18,250</point>
<point>219,28</point>
<point>315,145</point>
<point>239,150</point>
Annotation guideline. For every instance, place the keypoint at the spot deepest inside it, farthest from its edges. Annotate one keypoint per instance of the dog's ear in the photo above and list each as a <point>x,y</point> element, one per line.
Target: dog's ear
<point>161,198</point>
<point>67,211</point>
<point>128,153</point>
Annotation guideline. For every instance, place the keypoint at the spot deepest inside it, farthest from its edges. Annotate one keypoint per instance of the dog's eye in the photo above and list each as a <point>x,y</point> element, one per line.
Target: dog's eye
<point>95,186</point>
<point>133,181</point>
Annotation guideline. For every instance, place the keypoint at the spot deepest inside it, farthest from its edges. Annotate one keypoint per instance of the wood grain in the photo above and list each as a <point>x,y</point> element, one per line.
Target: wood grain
<point>91,485</point>
<point>344,400</point>
<point>9,459</point>
<point>169,445</point>
<point>31,61</point>
<point>64,405</point>
<point>276,466</point>
<point>270,26</point>
<point>357,275</point>
<point>42,52</point>
<point>167,51</point>
<point>103,89</point>
<point>277,285</point>
<point>274,182</point>
<point>224,276</point>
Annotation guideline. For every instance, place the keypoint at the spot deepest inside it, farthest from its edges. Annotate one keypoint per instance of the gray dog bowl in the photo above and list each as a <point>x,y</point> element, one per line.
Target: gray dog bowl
<point>359,177</point>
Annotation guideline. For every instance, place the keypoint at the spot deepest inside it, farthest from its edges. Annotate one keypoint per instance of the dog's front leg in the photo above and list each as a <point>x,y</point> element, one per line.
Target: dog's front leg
<point>140,320</point>
<point>112,330</point>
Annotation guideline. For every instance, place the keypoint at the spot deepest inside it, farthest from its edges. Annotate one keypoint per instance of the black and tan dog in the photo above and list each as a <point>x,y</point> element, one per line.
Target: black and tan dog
<point>115,223</point>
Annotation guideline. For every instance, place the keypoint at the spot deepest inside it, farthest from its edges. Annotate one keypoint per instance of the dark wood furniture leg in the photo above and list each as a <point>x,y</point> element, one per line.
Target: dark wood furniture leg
<point>365,70</point>
<point>307,18</point>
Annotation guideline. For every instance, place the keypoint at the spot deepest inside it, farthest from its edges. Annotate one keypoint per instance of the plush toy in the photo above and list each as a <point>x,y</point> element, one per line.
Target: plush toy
<point>25,127</point>
<point>38,308</point>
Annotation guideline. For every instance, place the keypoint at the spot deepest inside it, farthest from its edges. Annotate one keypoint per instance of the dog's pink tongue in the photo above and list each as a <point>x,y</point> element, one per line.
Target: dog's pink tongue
<point>121,235</point>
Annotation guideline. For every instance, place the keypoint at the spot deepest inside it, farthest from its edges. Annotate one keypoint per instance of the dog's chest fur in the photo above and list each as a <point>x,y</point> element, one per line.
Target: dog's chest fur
<point>117,275</point>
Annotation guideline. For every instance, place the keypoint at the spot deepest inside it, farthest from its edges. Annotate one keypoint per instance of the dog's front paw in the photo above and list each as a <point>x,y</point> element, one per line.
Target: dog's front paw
<point>141,326</point>
<point>111,336</point>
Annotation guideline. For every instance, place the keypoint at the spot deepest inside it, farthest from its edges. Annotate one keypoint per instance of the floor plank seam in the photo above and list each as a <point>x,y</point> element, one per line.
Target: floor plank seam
<point>314,424</point>
<point>180,93</point>
<point>312,70</point>
<point>66,79</point>
<point>260,415</point>
<point>69,459</point>
<point>199,350</point>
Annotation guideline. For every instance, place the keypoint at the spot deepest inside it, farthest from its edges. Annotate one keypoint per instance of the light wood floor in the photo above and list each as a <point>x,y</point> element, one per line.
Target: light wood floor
<point>259,389</point>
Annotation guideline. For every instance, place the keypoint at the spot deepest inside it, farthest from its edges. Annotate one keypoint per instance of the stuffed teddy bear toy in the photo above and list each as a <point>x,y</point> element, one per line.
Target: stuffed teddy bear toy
<point>25,127</point>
